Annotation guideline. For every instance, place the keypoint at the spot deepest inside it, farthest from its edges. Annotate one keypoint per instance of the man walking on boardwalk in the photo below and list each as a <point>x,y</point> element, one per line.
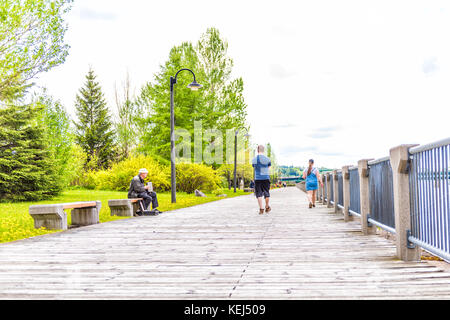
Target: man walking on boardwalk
<point>261,165</point>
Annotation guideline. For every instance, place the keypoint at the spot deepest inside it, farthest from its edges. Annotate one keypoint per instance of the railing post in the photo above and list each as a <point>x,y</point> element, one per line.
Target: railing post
<point>364,196</point>
<point>322,193</point>
<point>319,191</point>
<point>329,205</point>
<point>399,157</point>
<point>346,191</point>
<point>335,191</point>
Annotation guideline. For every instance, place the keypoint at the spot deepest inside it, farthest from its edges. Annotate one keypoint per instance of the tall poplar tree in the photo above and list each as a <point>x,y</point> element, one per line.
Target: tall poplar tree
<point>94,128</point>
<point>219,104</point>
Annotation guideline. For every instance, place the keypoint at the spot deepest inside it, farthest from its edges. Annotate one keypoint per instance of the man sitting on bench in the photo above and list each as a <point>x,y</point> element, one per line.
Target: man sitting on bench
<point>138,189</point>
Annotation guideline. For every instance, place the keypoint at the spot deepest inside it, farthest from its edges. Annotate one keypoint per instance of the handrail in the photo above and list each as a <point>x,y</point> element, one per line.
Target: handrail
<point>436,251</point>
<point>430,146</point>
<point>354,213</point>
<point>381,225</point>
<point>384,159</point>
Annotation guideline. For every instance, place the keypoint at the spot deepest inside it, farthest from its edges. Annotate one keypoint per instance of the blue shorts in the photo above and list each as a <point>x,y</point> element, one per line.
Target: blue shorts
<point>311,186</point>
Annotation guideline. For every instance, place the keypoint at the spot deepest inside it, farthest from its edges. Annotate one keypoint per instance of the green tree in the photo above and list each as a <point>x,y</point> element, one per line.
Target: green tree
<point>60,138</point>
<point>27,169</point>
<point>94,128</point>
<point>126,125</point>
<point>224,106</point>
<point>219,104</point>
<point>31,42</point>
<point>154,102</point>
<point>275,173</point>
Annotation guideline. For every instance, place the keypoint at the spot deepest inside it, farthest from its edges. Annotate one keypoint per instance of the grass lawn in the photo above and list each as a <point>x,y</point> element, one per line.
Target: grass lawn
<point>16,223</point>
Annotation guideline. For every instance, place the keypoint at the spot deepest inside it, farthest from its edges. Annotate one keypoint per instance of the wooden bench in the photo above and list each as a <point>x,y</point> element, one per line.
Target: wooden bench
<point>53,216</point>
<point>124,207</point>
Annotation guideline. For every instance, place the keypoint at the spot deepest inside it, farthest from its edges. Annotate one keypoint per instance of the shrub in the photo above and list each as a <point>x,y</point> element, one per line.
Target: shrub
<point>191,176</point>
<point>119,176</point>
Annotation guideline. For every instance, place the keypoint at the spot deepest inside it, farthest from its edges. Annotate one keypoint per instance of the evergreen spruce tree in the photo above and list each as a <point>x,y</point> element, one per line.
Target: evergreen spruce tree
<point>27,171</point>
<point>94,129</point>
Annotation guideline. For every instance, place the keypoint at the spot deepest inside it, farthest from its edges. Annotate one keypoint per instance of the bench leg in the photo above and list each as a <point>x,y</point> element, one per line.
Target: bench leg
<point>86,216</point>
<point>50,221</point>
<point>51,217</point>
<point>122,208</point>
<point>122,211</point>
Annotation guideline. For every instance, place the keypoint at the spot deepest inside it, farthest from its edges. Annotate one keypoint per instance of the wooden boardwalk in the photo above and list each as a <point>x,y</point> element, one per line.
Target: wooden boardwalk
<point>218,250</point>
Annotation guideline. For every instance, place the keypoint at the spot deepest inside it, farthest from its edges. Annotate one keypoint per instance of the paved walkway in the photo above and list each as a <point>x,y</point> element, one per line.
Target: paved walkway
<point>218,250</point>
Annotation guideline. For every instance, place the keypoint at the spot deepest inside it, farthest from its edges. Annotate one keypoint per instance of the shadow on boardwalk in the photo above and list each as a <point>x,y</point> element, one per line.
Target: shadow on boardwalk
<point>218,250</point>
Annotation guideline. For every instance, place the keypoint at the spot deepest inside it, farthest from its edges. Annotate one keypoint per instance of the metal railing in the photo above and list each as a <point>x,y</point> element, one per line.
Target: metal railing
<point>331,190</point>
<point>355,203</point>
<point>428,170</point>
<point>381,194</point>
<point>429,195</point>
<point>325,183</point>
<point>340,189</point>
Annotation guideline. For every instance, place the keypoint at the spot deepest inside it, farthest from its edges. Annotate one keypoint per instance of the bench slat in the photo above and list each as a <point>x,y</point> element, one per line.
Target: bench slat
<point>74,205</point>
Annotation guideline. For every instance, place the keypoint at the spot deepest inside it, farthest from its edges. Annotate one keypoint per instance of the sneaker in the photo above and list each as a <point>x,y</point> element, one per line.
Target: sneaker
<point>157,211</point>
<point>268,209</point>
<point>150,213</point>
<point>310,205</point>
<point>139,213</point>
<point>261,211</point>
<point>314,205</point>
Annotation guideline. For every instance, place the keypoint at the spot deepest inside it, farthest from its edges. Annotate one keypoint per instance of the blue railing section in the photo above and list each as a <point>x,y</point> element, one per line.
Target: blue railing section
<point>429,195</point>
<point>355,203</point>
<point>381,194</point>
<point>429,182</point>
<point>340,189</point>
<point>331,189</point>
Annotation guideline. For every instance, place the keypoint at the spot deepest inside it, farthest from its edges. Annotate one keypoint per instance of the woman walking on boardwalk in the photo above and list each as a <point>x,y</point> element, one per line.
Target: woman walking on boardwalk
<point>312,177</point>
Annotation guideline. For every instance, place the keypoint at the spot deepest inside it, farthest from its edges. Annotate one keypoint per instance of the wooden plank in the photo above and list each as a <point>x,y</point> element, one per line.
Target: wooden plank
<point>218,250</point>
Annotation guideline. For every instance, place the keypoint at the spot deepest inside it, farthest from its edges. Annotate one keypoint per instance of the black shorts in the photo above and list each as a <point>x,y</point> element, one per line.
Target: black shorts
<point>262,188</point>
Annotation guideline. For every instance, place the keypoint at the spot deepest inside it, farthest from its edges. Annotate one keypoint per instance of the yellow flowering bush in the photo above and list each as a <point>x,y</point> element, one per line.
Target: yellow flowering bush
<point>119,176</point>
<point>191,176</point>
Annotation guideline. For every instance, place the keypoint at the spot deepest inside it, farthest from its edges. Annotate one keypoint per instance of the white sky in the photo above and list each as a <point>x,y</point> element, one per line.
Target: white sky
<point>336,81</point>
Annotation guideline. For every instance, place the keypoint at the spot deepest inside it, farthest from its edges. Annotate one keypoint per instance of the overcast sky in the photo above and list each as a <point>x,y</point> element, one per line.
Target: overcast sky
<point>336,81</point>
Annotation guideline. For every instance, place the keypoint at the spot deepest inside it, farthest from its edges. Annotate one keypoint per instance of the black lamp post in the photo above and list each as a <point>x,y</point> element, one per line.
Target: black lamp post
<point>193,86</point>
<point>235,153</point>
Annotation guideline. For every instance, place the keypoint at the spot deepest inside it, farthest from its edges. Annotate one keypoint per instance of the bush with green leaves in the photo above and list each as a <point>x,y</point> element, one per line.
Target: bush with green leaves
<point>191,176</point>
<point>119,176</point>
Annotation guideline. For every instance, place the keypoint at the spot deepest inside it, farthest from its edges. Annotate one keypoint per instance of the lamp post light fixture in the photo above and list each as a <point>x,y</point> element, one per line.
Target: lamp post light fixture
<point>235,153</point>
<point>194,85</point>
